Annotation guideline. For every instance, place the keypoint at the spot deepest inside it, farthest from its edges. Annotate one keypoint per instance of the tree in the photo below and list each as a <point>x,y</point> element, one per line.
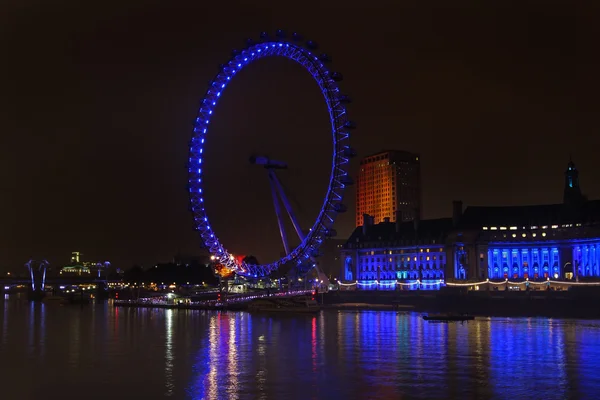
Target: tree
<point>134,274</point>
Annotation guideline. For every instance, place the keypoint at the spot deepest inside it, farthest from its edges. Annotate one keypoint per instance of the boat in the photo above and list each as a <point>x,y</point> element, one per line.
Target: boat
<point>448,317</point>
<point>298,304</point>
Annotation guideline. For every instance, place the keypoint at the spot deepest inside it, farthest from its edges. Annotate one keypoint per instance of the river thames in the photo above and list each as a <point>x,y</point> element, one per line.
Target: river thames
<point>101,352</point>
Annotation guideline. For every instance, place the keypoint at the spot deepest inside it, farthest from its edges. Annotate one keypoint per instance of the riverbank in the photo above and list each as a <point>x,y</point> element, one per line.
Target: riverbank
<point>577,303</point>
<point>584,303</point>
<point>244,306</point>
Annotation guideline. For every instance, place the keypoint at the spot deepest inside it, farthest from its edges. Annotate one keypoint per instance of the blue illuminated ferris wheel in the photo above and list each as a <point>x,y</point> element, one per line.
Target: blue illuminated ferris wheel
<point>304,53</point>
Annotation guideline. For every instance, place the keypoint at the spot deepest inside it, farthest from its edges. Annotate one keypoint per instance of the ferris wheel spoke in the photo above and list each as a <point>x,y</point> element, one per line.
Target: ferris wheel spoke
<point>282,232</point>
<point>286,204</point>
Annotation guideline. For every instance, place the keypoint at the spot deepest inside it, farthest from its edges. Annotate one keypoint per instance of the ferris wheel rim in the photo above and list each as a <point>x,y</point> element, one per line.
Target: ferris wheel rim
<point>338,179</point>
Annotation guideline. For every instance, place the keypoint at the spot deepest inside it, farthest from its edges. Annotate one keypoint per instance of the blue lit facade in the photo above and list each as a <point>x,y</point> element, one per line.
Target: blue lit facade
<point>396,256</point>
<point>567,254</point>
<point>518,262</point>
<point>523,243</point>
<point>551,241</point>
<point>410,267</point>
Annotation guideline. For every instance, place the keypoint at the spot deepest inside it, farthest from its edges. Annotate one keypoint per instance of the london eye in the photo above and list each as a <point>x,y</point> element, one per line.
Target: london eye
<point>316,64</point>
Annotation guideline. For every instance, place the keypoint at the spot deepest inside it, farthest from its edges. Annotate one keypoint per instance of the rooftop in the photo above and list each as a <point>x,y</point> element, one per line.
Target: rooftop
<point>545,214</point>
<point>427,229</point>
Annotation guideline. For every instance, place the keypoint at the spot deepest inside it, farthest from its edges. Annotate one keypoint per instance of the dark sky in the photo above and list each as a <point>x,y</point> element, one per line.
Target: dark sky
<point>97,105</point>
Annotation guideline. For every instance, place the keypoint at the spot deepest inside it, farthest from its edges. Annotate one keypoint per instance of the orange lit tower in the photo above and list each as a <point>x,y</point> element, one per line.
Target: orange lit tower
<point>389,185</point>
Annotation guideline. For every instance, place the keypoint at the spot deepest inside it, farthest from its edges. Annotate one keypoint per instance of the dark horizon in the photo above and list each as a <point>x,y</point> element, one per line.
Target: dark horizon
<point>99,104</point>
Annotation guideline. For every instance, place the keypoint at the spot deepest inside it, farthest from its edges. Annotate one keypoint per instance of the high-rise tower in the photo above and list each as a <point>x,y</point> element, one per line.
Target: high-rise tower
<point>389,186</point>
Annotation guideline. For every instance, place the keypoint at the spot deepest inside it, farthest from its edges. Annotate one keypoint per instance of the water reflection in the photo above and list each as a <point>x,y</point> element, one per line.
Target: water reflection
<point>346,355</point>
<point>169,352</point>
<point>390,355</point>
<point>37,330</point>
<point>5,320</point>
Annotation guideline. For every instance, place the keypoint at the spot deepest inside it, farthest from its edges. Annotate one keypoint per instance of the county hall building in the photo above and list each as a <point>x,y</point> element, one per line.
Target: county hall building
<point>558,242</point>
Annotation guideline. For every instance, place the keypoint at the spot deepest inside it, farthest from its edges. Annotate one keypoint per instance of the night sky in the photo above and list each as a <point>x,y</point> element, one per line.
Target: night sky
<point>98,103</point>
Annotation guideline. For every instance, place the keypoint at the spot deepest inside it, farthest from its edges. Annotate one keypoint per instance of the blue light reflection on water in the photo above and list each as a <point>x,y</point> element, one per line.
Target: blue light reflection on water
<point>390,355</point>
<point>346,355</point>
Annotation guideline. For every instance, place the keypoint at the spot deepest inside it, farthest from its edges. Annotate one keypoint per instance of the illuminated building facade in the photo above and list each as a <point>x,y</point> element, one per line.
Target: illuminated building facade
<point>556,241</point>
<point>79,267</point>
<point>524,243</point>
<point>389,186</point>
<point>397,255</point>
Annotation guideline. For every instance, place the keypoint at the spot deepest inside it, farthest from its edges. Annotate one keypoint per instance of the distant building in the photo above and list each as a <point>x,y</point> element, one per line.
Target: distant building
<point>392,255</point>
<point>523,243</point>
<point>389,186</point>
<point>75,256</point>
<point>77,270</point>
<point>79,267</point>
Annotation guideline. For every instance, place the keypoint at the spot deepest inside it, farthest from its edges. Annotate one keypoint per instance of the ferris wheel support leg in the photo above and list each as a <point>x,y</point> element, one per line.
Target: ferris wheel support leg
<point>286,246</point>
<point>286,204</point>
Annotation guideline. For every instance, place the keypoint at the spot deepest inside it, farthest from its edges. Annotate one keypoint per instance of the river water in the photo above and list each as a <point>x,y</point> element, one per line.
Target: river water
<point>102,352</point>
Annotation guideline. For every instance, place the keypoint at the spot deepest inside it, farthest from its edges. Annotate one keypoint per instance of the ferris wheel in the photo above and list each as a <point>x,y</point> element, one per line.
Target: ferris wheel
<point>304,53</point>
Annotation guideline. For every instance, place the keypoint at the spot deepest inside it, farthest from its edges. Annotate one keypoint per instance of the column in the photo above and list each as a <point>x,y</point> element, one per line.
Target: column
<point>574,261</point>
<point>597,259</point>
<point>520,261</point>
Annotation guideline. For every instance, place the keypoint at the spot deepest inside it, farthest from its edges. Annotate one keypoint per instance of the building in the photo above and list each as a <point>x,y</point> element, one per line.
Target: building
<point>397,255</point>
<point>81,268</point>
<point>389,186</point>
<point>527,244</point>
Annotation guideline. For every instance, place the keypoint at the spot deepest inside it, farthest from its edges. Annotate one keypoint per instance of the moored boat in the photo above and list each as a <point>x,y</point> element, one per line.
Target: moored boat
<point>298,304</point>
<point>448,317</point>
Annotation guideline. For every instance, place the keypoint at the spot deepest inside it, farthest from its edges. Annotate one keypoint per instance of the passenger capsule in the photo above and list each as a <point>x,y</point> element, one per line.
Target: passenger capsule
<point>342,98</point>
<point>346,180</point>
<point>349,152</point>
<point>331,233</point>
<point>340,208</point>
<point>350,125</point>
<point>323,57</point>
<point>336,76</point>
<point>311,44</point>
